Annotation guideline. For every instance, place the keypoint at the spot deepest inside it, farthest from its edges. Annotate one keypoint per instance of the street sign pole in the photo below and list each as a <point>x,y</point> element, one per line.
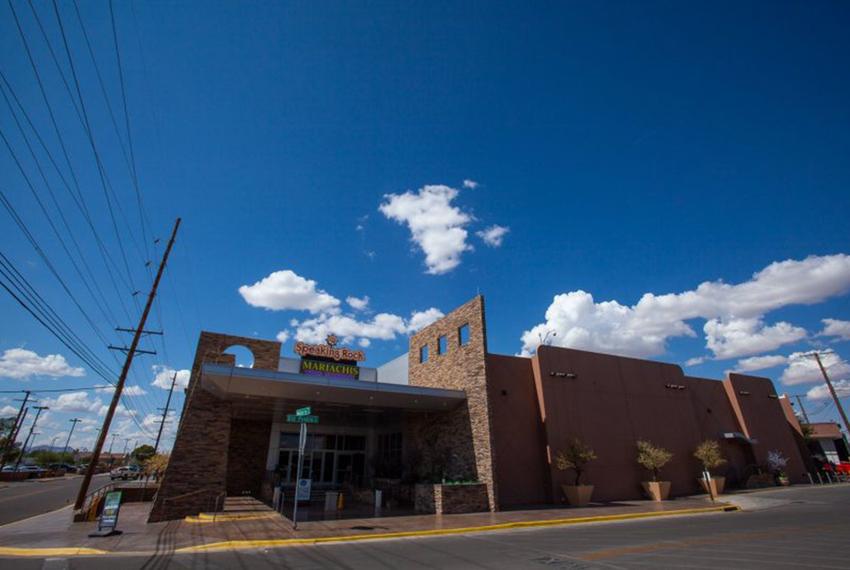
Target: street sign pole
<point>302,442</point>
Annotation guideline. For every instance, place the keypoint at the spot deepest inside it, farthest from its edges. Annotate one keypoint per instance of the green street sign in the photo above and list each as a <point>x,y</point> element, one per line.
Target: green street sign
<point>303,411</point>
<point>296,419</point>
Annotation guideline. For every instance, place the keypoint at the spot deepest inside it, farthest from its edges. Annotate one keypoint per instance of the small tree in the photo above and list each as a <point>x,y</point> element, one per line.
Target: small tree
<point>156,465</point>
<point>142,453</point>
<point>708,453</point>
<point>575,457</point>
<point>777,462</point>
<point>652,457</point>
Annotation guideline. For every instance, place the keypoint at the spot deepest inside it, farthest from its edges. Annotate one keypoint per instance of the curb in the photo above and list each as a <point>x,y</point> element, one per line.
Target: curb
<point>284,542</point>
<point>275,543</point>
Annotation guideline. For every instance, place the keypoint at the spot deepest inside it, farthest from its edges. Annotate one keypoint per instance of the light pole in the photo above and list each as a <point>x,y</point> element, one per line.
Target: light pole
<point>109,452</point>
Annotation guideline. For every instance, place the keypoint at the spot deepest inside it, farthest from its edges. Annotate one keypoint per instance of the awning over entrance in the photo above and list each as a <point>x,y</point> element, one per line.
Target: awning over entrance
<point>273,390</point>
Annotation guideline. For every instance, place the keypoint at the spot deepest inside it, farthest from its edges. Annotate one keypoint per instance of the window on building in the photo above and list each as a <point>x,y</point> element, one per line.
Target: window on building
<point>423,353</point>
<point>389,455</point>
<point>442,345</point>
<point>463,335</point>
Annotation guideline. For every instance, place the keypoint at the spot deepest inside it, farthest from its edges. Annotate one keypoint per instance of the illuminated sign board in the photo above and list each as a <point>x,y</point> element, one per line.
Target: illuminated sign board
<point>329,351</point>
<point>328,360</point>
<point>333,369</point>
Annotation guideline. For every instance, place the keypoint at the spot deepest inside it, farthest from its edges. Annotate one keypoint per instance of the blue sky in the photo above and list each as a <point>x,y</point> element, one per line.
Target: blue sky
<point>625,149</point>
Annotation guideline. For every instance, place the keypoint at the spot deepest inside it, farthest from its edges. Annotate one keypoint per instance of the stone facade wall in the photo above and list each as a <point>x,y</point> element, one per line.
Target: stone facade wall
<point>198,470</point>
<point>462,435</point>
<point>451,499</point>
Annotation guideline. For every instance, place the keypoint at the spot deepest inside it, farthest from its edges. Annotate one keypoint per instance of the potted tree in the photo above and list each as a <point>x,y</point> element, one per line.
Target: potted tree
<point>777,462</point>
<point>653,458</point>
<point>576,456</point>
<point>708,453</point>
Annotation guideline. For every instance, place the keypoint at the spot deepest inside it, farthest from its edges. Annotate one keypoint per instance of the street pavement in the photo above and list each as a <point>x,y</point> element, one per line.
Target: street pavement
<point>24,499</point>
<point>790,528</point>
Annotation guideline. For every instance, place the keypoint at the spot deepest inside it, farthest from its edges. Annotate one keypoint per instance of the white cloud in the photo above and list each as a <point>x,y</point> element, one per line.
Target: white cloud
<point>471,184</point>
<point>364,342</point>
<point>163,376</point>
<point>384,326</point>
<point>803,369</point>
<point>842,389</point>
<point>493,235</point>
<point>695,361</point>
<point>834,327</point>
<point>421,319</point>
<point>643,329</point>
<point>8,411</point>
<point>21,364</point>
<point>733,338</point>
<point>436,226</point>
<point>760,362</point>
<point>282,336</point>
<point>74,402</point>
<point>358,303</point>
<point>286,289</point>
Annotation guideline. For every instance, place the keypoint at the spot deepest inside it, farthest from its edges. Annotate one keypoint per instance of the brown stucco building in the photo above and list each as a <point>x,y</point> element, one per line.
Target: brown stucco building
<point>449,409</point>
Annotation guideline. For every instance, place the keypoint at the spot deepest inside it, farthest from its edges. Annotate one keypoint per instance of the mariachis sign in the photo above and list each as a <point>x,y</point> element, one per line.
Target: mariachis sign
<point>328,360</point>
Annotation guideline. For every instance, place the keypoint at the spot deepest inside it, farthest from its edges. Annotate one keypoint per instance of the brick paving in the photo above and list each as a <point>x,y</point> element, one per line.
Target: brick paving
<point>55,529</point>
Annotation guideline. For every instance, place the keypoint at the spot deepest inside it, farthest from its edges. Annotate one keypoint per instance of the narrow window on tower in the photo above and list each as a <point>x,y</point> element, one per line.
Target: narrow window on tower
<point>423,354</point>
<point>463,335</point>
<point>442,345</point>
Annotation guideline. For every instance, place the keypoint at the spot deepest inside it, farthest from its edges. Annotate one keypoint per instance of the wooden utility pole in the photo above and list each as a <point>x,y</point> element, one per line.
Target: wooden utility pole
<point>13,434</point>
<point>30,434</point>
<point>137,333</point>
<point>74,423</point>
<point>802,409</point>
<point>832,391</point>
<point>164,414</point>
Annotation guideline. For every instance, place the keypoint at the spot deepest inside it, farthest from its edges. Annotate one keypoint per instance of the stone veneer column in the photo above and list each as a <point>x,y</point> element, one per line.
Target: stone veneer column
<point>197,471</point>
<point>465,431</point>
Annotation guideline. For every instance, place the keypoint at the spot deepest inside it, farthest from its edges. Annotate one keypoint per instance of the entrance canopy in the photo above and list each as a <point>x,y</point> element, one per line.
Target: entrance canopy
<point>270,391</point>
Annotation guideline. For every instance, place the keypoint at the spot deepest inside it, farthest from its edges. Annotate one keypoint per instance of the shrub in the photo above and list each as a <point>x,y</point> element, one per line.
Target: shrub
<point>708,453</point>
<point>652,457</point>
<point>575,457</point>
<point>777,462</point>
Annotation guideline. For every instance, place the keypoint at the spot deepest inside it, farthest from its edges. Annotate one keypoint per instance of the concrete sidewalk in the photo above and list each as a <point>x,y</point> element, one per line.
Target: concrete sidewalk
<point>54,534</point>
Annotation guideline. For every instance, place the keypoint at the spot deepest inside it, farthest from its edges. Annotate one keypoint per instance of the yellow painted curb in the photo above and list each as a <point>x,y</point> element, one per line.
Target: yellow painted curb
<point>208,518</point>
<point>281,542</point>
<point>42,552</point>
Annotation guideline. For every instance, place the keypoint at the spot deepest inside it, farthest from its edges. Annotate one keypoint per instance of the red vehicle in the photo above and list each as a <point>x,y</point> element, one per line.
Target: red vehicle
<point>843,468</point>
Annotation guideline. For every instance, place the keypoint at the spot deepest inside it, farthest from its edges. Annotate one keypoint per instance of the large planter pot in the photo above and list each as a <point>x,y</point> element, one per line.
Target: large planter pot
<point>578,495</point>
<point>717,485</point>
<point>657,490</point>
<point>784,480</point>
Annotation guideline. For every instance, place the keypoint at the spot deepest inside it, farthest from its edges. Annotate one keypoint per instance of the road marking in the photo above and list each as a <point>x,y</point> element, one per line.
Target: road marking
<point>281,542</point>
<point>42,552</point>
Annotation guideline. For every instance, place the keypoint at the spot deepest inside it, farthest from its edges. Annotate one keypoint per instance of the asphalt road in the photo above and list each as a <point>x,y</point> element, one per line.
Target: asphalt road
<point>25,499</point>
<point>805,528</point>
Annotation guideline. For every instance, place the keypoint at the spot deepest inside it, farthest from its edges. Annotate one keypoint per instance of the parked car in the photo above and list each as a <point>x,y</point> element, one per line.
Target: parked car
<point>30,469</point>
<point>127,472</point>
<point>63,467</point>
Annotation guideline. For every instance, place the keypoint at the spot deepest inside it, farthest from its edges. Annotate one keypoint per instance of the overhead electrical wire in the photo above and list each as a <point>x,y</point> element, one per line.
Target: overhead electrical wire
<point>107,189</point>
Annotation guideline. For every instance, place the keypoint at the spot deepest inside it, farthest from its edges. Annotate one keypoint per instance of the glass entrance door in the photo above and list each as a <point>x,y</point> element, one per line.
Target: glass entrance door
<point>329,459</point>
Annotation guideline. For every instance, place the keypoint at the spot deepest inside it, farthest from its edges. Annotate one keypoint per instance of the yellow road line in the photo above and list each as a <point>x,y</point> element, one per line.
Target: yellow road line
<point>208,518</point>
<point>43,552</point>
<point>272,543</point>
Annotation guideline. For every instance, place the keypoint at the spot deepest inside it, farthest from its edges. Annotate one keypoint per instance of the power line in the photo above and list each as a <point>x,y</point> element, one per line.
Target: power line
<point>101,171</point>
<point>35,304</point>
